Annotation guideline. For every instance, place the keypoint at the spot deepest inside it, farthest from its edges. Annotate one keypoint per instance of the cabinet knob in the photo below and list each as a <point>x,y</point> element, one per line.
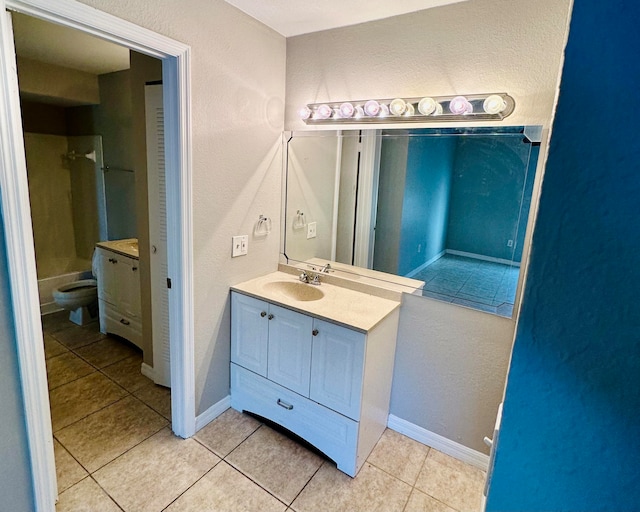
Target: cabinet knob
<point>315,332</point>
<point>124,321</point>
<point>134,268</point>
<point>270,317</point>
<point>263,314</point>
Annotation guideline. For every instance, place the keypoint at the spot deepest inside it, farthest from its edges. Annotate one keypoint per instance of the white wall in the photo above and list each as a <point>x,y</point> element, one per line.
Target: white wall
<point>238,74</point>
<point>451,362</point>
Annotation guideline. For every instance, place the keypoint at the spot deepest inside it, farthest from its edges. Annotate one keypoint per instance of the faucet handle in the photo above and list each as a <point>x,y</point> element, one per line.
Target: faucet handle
<point>304,277</point>
<point>316,279</point>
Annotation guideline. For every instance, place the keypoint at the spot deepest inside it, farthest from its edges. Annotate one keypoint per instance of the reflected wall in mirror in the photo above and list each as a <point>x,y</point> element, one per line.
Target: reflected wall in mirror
<point>447,208</point>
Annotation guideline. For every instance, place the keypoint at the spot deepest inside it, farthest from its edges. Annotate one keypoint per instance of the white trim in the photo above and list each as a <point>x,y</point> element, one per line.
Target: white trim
<point>456,450</point>
<point>425,264</point>
<point>336,198</point>
<point>148,371</point>
<point>202,420</point>
<point>482,257</point>
<point>19,235</point>
<point>367,198</point>
<point>21,263</point>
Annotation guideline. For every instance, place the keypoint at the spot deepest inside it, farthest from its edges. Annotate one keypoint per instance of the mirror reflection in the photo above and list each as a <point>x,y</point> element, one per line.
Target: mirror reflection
<point>443,211</point>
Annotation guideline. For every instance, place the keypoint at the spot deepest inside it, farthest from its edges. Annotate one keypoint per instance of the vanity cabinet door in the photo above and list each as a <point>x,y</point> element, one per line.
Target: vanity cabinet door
<point>249,332</point>
<point>107,276</point>
<point>289,360</point>
<point>336,368</point>
<point>128,294</point>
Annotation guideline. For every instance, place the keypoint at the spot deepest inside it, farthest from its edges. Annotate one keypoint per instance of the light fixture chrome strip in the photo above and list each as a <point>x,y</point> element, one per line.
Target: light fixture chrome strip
<point>472,107</point>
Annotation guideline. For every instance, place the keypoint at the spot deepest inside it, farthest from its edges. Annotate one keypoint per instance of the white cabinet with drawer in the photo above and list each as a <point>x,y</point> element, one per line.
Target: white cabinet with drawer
<point>119,295</point>
<point>327,383</point>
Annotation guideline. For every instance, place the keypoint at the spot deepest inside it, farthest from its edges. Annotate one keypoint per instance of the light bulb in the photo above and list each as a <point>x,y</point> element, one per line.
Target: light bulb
<point>438,111</point>
<point>384,110</point>
<point>427,106</point>
<point>324,111</point>
<point>304,112</point>
<point>398,107</point>
<point>494,104</point>
<point>410,110</point>
<point>460,105</point>
<point>359,112</point>
<point>372,108</point>
<point>347,110</point>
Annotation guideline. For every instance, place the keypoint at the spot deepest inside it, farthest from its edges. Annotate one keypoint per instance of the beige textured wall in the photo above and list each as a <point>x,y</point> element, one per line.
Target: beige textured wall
<point>49,192</point>
<point>451,361</point>
<point>68,86</point>
<point>237,93</point>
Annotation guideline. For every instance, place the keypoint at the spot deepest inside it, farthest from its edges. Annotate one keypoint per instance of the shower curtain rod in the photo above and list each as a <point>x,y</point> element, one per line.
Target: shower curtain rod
<point>108,168</point>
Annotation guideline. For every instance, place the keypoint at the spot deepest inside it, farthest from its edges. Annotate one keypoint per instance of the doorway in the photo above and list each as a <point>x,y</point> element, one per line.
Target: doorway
<point>19,235</point>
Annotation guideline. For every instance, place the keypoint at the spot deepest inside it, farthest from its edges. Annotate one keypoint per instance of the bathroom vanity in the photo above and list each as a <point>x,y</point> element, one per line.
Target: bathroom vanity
<point>317,360</point>
<point>116,264</point>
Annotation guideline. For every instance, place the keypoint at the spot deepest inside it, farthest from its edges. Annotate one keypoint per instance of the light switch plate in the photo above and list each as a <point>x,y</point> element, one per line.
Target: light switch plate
<point>240,245</point>
<point>311,230</point>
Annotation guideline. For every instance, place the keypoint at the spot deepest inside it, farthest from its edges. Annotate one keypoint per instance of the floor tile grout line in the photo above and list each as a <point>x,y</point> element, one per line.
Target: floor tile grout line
<point>194,483</point>
<point>105,491</point>
<point>305,485</point>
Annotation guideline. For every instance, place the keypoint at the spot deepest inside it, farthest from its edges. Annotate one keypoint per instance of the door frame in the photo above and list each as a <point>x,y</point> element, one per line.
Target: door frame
<point>16,215</point>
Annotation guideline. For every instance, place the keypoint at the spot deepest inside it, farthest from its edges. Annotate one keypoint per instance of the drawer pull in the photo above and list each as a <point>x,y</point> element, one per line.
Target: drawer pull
<point>263,314</point>
<point>124,321</point>
<point>270,317</point>
<point>315,332</point>
<point>134,268</point>
<point>287,406</point>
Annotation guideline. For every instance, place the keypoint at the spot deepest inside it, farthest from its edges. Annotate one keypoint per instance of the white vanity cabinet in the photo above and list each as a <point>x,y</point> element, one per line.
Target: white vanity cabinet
<point>327,383</point>
<point>119,295</point>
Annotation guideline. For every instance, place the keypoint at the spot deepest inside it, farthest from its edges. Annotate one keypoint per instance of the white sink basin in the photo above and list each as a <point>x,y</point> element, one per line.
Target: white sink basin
<point>295,290</point>
<point>126,245</point>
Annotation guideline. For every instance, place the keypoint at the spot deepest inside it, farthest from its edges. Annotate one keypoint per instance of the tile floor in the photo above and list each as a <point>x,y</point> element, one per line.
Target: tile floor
<point>115,451</point>
<point>471,282</point>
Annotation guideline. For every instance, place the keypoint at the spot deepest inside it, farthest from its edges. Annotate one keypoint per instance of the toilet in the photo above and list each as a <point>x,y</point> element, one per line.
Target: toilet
<point>80,298</point>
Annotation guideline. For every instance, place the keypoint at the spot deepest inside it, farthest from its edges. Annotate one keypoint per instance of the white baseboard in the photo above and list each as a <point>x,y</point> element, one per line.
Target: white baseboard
<point>425,264</point>
<point>456,450</point>
<point>147,371</point>
<point>213,412</point>
<point>483,257</point>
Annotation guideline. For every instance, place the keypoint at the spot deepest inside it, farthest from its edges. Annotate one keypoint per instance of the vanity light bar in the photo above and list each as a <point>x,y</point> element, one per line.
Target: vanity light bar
<point>473,107</point>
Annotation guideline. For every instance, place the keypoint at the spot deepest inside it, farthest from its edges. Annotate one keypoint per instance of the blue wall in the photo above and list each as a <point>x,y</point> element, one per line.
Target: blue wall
<point>425,209</point>
<point>488,179</point>
<point>570,437</point>
<point>16,491</point>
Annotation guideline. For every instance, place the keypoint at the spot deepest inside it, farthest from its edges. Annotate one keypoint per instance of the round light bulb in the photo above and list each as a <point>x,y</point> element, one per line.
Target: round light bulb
<point>359,112</point>
<point>439,110</point>
<point>460,105</point>
<point>398,107</point>
<point>410,110</point>
<point>304,112</point>
<point>494,104</point>
<point>372,108</point>
<point>384,110</point>
<point>347,110</point>
<point>427,106</point>
<point>324,111</point>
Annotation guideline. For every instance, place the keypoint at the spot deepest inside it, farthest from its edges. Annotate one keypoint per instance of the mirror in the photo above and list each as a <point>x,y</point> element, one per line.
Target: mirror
<point>441,212</point>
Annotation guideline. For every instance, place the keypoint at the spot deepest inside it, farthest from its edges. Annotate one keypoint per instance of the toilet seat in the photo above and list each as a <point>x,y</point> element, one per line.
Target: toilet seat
<point>77,294</point>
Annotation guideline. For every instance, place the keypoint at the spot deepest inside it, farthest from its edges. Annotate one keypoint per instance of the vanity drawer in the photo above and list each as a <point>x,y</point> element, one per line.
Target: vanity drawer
<point>330,432</point>
<point>113,321</point>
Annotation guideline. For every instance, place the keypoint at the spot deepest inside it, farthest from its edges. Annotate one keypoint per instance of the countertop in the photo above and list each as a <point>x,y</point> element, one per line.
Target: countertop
<point>340,305</point>
<point>126,247</point>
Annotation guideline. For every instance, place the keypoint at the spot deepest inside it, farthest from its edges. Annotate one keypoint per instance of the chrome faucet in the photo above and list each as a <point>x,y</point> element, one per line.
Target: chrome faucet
<point>309,277</point>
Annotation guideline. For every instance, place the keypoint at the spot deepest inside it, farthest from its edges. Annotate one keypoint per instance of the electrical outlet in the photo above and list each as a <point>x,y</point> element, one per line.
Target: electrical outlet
<point>510,243</point>
<point>311,230</point>
<point>240,245</point>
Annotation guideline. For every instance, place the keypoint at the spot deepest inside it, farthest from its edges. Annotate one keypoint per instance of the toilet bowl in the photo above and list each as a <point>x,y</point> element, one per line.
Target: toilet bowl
<point>80,298</point>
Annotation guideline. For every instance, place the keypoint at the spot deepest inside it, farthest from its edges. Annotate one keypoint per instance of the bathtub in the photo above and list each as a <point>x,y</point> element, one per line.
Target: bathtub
<point>47,285</point>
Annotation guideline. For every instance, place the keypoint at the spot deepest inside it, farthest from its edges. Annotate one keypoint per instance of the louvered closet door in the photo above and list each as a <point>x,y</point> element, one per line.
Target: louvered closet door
<point>158,233</point>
